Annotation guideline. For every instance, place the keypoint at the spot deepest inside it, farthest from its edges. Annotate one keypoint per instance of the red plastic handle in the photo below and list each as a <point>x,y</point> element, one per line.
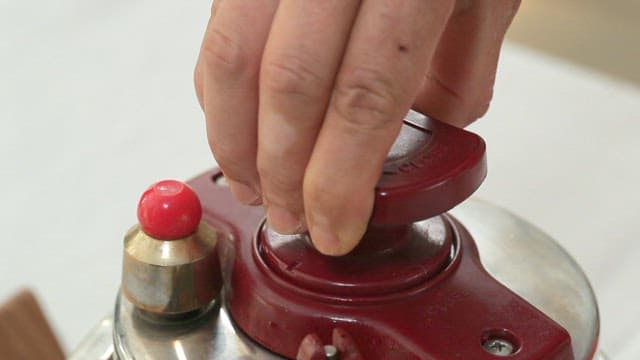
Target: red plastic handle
<point>431,168</point>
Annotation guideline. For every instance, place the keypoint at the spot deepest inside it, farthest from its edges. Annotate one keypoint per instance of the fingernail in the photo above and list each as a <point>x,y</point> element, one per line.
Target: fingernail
<point>283,220</point>
<point>244,193</point>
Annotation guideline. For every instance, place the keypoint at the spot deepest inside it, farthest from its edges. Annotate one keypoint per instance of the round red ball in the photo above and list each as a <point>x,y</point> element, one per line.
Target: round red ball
<point>169,210</point>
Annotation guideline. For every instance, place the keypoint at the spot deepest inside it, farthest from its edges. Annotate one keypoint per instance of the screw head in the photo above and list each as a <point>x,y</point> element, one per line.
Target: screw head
<point>498,347</point>
<point>331,352</point>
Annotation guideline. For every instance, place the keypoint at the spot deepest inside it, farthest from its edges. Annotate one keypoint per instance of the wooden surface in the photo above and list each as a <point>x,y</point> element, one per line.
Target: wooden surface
<point>24,331</point>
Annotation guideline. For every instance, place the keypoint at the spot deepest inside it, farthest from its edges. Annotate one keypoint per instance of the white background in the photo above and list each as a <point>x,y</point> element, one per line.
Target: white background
<point>96,103</point>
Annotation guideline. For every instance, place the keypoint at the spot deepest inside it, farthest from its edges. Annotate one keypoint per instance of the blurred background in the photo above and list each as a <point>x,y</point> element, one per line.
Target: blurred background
<point>97,102</point>
<point>600,35</point>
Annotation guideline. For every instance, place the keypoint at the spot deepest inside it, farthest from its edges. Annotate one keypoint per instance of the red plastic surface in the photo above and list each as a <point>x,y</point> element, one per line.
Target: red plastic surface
<point>432,167</point>
<point>408,291</point>
<point>169,210</point>
<point>443,316</point>
<point>418,253</point>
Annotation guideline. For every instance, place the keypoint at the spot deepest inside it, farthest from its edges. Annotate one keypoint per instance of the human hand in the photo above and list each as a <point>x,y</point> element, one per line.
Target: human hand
<point>303,99</point>
<point>312,348</point>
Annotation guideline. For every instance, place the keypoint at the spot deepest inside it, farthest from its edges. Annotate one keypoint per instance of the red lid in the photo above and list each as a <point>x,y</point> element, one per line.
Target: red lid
<point>169,210</point>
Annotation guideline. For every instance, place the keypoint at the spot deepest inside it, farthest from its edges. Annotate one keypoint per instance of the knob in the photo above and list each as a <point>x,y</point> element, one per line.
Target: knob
<point>413,288</point>
<point>171,263</point>
<point>169,210</point>
<point>432,167</point>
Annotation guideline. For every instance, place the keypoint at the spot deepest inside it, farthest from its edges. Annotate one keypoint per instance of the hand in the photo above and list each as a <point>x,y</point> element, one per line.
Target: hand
<point>311,347</point>
<point>303,99</point>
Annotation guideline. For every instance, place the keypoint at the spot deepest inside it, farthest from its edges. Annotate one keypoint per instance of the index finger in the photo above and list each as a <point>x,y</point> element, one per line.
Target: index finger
<point>390,48</point>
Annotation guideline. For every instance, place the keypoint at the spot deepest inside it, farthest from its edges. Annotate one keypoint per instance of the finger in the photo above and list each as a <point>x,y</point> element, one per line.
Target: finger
<point>346,345</point>
<point>198,72</point>
<point>231,54</point>
<point>459,84</point>
<point>374,89</point>
<point>197,81</point>
<point>300,61</point>
<point>311,348</point>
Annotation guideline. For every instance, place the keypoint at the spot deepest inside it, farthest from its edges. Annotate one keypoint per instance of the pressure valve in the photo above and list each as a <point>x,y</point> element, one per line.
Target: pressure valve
<point>170,263</point>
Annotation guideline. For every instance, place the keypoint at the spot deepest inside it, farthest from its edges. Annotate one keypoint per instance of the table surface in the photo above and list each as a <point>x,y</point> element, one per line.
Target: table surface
<point>96,103</point>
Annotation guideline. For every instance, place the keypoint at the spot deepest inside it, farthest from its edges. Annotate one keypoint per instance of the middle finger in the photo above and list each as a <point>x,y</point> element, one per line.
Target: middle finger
<point>302,55</point>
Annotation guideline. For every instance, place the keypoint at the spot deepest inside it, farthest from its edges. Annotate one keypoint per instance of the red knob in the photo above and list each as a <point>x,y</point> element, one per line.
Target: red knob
<point>431,168</point>
<point>169,210</point>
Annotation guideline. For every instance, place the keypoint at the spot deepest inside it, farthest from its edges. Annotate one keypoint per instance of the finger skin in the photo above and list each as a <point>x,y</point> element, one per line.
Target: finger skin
<point>198,82</point>
<point>375,87</point>
<point>311,348</point>
<point>301,58</point>
<point>229,67</point>
<point>345,344</point>
<point>198,73</point>
<point>459,85</point>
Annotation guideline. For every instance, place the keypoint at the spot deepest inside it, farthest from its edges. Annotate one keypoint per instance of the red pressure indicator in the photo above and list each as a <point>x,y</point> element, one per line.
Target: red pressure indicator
<point>169,210</point>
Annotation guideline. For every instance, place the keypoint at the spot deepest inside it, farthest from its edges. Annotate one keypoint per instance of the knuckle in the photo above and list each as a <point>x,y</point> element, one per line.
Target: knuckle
<point>230,158</point>
<point>366,100</point>
<point>221,52</point>
<point>284,183</point>
<point>291,75</point>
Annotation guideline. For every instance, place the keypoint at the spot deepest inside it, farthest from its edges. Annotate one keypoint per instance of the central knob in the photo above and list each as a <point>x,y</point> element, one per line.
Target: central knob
<point>431,168</point>
<point>407,256</point>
